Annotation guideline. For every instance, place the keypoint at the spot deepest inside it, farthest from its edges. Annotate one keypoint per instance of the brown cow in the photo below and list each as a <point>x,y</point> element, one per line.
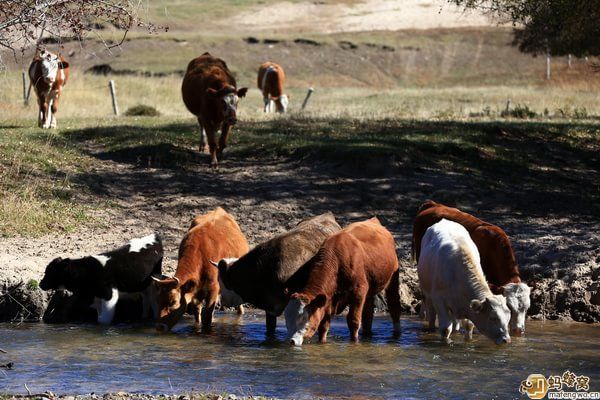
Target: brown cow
<point>352,266</point>
<point>270,82</point>
<point>48,73</point>
<point>214,235</point>
<point>260,277</point>
<point>210,93</point>
<point>497,256</point>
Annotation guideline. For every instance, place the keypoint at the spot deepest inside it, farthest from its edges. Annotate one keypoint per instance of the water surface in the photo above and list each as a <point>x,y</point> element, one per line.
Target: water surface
<point>236,358</point>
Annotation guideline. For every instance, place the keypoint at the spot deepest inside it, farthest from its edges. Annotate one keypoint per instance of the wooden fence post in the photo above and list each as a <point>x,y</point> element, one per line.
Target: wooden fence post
<point>305,102</point>
<point>548,66</point>
<point>25,94</point>
<point>113,94</point>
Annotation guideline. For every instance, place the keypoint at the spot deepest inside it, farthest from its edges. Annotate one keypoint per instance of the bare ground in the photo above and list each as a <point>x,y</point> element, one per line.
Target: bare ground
<point>557,245</point>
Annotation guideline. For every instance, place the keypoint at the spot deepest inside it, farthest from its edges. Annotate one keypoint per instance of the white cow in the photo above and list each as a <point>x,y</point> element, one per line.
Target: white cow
<point>454,286</point>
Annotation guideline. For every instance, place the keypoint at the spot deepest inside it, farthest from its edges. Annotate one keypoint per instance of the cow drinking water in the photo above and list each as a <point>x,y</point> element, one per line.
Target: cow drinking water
<point>454,287</point>
<point>497,256</point>
<point>103,278</point>
<point>351,267</point>
<point>48,73</point>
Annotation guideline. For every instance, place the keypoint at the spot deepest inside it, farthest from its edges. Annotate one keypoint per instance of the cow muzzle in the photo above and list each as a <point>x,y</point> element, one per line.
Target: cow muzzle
<point>517,331</point>
<point>503,340</point>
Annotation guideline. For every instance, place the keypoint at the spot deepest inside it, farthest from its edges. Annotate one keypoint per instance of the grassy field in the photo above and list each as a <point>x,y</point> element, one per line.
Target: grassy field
<point>556,158</point>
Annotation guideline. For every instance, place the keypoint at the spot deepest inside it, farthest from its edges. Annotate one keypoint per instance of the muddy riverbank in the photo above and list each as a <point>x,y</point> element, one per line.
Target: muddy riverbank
<point>555,238</point>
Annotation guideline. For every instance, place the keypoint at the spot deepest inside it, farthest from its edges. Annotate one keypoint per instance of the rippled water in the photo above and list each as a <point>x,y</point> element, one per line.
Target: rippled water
<point>236,358</point>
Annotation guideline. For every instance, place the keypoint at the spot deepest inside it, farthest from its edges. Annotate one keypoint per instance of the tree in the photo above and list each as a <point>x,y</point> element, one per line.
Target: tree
<point>557,27</point>
<point>24,22</point>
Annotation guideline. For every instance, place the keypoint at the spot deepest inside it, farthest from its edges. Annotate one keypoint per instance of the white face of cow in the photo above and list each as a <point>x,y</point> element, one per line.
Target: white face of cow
<point>491,316</point>
<point>230,103</point>
<point>296,320</point>
<point>50,63</point>
<point>517,300</point>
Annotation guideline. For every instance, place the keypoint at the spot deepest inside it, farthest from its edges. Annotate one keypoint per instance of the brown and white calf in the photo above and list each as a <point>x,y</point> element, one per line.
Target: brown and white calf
<point>271,78</point>
<point>195,285</point>
<point>454,286</point>
<point>210,92</point>
<point>352,266</point>
<point>48,73</point>
<point>498,259</point>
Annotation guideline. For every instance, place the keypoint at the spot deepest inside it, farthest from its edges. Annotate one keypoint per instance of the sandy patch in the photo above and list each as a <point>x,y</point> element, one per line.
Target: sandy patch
<point>314,17</point>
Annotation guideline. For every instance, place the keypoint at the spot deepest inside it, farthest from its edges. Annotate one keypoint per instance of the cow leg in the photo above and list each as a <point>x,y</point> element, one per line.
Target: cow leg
<point>240,309</point>
<point>106,308</point>
<point>209,309</point>
<point>355,312</point>
<point>202,146</point>
<point>392,296</point>
<point>212,145</point>
<point>48,121</point>
<point>367,316</point>
<point>431,314</point>
<point>468,327</point>
<point>266,102</point>
<point>43,111</point>
<point>55,99</point>
<point>271,324</point>
<point>225,130</point>
<point>324,328</point>
<point>149,302</point>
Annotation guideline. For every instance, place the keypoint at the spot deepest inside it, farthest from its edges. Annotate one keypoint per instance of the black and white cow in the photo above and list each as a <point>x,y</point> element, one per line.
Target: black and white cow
<point>104,277</point>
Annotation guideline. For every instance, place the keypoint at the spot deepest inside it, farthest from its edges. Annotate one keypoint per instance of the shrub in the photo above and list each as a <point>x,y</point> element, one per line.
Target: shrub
<point>519,111</point>
<point>142,110</point>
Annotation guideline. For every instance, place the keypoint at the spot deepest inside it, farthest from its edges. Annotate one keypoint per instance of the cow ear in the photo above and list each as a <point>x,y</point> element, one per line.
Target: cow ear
<point>242,92</point>
<point>63,64</point>
<point>212,92</point>
<point>476,305</point>
<point>319,301</point>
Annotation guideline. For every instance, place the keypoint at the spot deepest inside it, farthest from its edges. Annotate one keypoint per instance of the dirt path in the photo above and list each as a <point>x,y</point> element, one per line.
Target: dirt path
<point>561,253</point>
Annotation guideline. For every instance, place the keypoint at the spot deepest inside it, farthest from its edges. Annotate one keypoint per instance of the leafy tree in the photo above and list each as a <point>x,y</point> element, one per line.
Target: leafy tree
<point>559,27</point>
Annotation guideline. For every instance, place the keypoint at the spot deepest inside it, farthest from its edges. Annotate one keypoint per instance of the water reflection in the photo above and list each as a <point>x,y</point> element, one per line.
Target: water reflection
<point>237,357</point>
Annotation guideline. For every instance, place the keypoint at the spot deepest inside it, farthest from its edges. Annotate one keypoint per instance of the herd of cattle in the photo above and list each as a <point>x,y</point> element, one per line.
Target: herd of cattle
<point>209,92</point>
<point>466,267</point>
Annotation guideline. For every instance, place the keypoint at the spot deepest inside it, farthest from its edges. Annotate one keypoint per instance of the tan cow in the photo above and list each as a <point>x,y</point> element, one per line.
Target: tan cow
<point>210,92</point>
<point>352,266</point>
<point>48,73</point>
<point>195,285</point>
<point>271,78</point>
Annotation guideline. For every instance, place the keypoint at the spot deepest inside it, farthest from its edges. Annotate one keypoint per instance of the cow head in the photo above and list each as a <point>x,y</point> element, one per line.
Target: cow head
<point>50,64</point>
<point>173,299</point>
<point>517,300</point>
<point>56,275</point>
<point>491,317</point>
<point>303,314</point>
<point>228,98</point>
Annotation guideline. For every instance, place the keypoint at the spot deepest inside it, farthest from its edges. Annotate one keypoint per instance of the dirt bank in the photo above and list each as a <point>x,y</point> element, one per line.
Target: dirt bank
<point>558,246</point>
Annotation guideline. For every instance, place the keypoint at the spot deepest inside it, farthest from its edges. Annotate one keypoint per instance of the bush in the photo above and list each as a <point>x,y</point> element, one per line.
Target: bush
<point>519,112</point>
<point>142,110</point>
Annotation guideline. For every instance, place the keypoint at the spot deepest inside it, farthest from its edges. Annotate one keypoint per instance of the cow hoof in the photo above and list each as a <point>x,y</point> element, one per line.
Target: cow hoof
<point>202,148</point>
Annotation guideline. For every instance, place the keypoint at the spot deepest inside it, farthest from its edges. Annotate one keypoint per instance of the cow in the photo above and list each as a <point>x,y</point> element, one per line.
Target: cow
<point>260,276</point>
<point>454,287</point>
<point>195,285</point>
<point>350,269</point>
<point>210,92</point>
<point>497,256</point>
<point>270,82</point>
<point>48,73</point>
<point>105,277</point>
